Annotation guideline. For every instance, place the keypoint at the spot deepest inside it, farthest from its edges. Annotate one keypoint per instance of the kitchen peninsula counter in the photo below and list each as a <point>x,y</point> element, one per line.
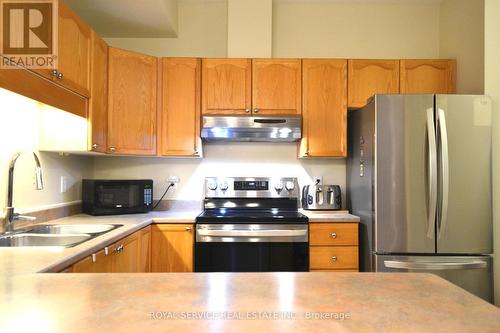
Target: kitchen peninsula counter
<point>241,302</point>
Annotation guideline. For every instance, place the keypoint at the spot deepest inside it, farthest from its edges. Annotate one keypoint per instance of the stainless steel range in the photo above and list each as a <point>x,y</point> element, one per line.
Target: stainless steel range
<point>251,225</point>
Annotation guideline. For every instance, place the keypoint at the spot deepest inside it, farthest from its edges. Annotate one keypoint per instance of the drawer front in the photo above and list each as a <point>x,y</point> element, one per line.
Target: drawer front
<point>333,234</point>
<point>342,257</point>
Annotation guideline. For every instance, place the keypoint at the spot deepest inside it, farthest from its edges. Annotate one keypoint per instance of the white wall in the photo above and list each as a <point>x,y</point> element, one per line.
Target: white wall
<point>20,130</point>
<point>462,37</point>
<point>356,29</point>
<point>492,88</point>
<point>202,33</point>
<point>224,159</point>
<point>249,33</point>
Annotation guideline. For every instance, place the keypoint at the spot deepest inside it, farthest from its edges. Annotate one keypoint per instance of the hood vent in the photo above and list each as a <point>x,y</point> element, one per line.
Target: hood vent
<point>260,129</point>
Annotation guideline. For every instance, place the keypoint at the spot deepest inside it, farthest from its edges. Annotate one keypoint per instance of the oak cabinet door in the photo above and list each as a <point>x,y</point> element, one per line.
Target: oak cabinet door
<point>74,51</point>
<point>172,248</point>
<point>276,87</point>
<point>325,108</point>
<point>126,254</point>
<point>226,86</point>
<point>427,76</point>
<point>180,112</point>
<point>98,103</point>
<point>99,263</point>
<point>132,103</point>
<point>145,250</point>
<point>369,77</point>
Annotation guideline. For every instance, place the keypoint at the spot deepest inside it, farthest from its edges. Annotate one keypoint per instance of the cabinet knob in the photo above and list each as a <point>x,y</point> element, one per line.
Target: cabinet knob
<point>256,110</point>
<point>334,258</point>
<point>334,235</point>
<point>119,248</point>
<point>196,153</point>
<point>106,251</point>
<point>188,228</point>
<point>247,110</point>
<point>94,257</point>
<point>54,73</point>
<point>95,145</point>
<point>60,76</point>
<point>112,149</point>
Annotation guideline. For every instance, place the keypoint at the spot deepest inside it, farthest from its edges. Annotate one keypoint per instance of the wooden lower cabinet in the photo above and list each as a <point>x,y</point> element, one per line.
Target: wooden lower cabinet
<point>172,248</point>
<point>129,255</point>
<point>333,247</point>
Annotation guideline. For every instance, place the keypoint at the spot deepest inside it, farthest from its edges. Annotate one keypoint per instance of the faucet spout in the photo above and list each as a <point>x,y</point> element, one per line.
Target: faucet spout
<point>10,216</point>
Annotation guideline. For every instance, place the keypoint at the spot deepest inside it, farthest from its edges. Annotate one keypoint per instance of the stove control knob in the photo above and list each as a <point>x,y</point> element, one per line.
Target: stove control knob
<point>278,186</point>
<point>289,186</point>
<point>212,185</point>
<point>224,186</point>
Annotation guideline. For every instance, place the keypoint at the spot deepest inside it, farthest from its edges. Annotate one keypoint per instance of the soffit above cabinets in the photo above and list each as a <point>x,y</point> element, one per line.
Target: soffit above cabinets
<point>129,18</point>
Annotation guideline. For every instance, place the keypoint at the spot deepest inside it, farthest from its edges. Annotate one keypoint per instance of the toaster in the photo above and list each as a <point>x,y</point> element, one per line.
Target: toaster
<point>321,197</point>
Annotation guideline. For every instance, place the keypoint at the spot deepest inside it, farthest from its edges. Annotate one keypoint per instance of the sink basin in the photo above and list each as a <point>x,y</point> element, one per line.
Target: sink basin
<point>43,240</point>
<point>90,229</point>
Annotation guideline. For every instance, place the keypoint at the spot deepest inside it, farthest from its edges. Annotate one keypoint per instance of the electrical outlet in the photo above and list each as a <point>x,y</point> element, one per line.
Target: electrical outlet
<point>317,180</point>
<point>173,180</point>
<point>64,185</point>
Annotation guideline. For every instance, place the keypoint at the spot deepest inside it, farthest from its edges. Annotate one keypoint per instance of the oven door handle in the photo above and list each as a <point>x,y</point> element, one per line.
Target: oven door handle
<point>252,233</point>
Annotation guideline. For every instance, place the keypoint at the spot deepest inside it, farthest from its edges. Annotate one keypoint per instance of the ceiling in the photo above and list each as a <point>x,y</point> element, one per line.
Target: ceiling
<point>129,18</point>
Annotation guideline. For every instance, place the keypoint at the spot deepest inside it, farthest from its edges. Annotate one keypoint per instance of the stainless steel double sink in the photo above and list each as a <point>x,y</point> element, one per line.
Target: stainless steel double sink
<point>62,235</point>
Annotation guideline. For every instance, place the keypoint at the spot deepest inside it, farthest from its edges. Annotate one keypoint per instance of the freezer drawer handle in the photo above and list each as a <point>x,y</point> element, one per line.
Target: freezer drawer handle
<point>436,266</point>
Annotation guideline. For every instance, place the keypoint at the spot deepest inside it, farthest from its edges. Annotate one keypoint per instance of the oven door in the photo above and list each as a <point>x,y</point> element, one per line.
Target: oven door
<point>252,248</point>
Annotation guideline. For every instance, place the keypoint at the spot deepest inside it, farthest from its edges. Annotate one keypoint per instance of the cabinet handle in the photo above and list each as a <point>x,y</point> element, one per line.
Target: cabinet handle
<point>188,228</point>
<point>60,76</point>
<point>54,73</point>
<point>119,248</point>
<point>334,258</point>
<point>334,235</point>
<point>95,145</point>
<point>94,258</point>
<point>106,251</point>
<point>255,110</point>
<point>196,153</point>
<point>112,149</point>
<point>247,110</point>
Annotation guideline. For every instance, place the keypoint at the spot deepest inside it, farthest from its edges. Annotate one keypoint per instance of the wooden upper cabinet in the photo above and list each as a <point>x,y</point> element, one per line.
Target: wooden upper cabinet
<point>74,48</point>
<point>369,77</point>
<point>132,103</point>
<point>226,86</point>
<point>427,76</point>
<point>172,248</point>
<point>276,86</point>
<point>98,103</point>
<point>324,108</point>
<point>180,111</point>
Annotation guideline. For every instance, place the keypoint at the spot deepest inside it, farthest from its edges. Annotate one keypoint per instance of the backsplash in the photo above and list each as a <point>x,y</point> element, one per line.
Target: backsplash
<point>222,159</point>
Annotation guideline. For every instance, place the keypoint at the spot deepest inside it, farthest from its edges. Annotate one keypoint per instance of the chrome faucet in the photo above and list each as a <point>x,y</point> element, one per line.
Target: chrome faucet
<point>10,215</point>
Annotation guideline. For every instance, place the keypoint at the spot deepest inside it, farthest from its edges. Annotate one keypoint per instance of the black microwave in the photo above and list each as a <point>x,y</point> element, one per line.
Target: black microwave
<point>114,197</point>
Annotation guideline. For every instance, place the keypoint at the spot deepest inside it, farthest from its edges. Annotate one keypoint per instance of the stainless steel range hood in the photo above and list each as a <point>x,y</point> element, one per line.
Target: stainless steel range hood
<point>264,129</point>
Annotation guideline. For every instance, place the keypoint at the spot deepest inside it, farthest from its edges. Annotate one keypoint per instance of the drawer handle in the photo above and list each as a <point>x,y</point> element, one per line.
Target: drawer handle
<point>334,235</point>
<point>188,229</point>
<point>334,258</point>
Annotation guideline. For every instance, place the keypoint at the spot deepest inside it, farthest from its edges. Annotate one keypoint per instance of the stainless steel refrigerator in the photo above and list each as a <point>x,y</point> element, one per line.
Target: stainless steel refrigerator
<point>419,176</point>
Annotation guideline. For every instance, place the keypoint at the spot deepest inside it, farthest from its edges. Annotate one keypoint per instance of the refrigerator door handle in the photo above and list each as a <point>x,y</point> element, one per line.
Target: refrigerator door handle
<point>432,173</point>
<point>445,172</point>
<point>435,266</point>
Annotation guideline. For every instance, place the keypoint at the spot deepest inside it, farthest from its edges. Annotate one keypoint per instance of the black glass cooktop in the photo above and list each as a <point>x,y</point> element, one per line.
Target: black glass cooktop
<point>225,215</point>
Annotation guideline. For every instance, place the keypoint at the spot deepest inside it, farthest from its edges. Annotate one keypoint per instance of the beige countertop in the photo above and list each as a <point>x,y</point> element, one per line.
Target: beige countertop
<point>25,260</point>
<point>242,302</point>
